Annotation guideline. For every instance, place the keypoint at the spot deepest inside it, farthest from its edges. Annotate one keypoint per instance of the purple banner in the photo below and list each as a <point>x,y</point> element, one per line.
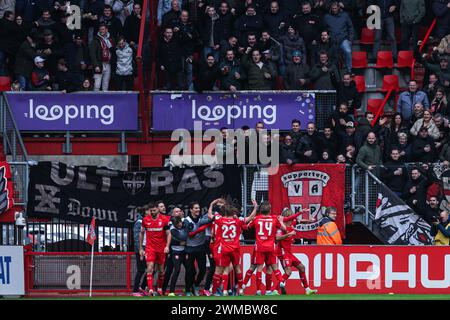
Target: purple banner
<point>215,110</point>
<point>107,111</point>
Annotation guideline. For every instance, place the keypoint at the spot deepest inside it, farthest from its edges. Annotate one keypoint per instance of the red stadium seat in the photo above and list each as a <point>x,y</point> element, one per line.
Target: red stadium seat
<point>359,60</point>
<point>367,36</point>
<point>360,82</point>
<point>390,82</point>
<point>373,105</point>
<point>405,59</point>
<point>384,60</point>
<point>5,83</point>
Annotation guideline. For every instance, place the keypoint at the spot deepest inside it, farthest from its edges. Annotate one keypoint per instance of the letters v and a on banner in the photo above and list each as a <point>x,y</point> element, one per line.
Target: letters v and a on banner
<point>310,186</point>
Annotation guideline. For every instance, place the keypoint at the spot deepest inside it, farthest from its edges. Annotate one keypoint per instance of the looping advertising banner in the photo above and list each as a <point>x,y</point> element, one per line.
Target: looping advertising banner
<point>6,187</point>
<point>367,269</point>
<point>232,110</point>
<point>74,111</point>
<point>309,186</point>
<point>79,193</point>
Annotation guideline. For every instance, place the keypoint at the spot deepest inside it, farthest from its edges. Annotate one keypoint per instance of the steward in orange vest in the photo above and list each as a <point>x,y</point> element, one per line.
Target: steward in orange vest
<point>328,232</point>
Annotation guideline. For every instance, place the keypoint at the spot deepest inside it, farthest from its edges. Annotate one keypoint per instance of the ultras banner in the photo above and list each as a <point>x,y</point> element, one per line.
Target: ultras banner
<point>367,269</point>
<point>313,186</point>
<point>80,193</point>
<point>6,187</point>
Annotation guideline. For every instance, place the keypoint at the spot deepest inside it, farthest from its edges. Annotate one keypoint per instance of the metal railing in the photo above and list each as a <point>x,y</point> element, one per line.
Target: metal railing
<point>12,141</point>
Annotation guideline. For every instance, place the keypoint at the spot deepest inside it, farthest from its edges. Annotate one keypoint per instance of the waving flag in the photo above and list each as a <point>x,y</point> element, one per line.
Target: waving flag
<point>91,233</point>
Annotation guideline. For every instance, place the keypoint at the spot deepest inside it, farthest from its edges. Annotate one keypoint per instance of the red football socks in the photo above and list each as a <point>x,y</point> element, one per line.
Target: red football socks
<point>150,281</point>
<point>258,280</point>
<point>304,280</point>
<point>248,275</point>
<point>268,282</point>
<point>217,279</point>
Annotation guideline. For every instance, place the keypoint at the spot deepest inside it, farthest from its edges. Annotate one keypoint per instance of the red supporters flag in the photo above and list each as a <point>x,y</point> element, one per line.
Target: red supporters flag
<point>309,186</point>
<point>91,233</point>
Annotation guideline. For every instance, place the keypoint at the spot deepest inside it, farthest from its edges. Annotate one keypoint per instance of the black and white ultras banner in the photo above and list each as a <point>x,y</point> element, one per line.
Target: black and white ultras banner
<point>73,193</point>
<point>399,225</point>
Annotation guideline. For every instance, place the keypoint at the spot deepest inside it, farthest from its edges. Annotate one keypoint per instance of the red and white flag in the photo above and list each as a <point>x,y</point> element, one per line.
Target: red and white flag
<point>91,233</point>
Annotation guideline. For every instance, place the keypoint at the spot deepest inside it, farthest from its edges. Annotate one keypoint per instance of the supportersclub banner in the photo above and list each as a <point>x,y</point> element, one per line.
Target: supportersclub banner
<point>399,224</point>
<point>6,187</point>
<point>367,269</point>
<point>311,186</point>
<point>232,110</point>
<point>111,111</point>
<point>79,193</point>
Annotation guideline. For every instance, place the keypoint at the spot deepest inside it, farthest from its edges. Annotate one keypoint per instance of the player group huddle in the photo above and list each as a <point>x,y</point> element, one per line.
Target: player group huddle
<point>274,236</point>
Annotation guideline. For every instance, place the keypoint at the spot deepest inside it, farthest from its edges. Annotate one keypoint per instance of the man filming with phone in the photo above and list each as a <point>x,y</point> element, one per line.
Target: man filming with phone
<point>441,229</point>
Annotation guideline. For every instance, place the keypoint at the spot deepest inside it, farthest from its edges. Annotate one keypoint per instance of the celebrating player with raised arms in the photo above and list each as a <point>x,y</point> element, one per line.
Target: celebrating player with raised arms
<point>158,238</point>
<point>284,253</point>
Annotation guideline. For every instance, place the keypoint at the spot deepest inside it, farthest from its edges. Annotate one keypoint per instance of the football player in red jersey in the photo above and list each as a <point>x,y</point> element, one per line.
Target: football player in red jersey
<point>158,238</point>
<point>266,226</point>
<point>285,239</point>
<point>227,228</point>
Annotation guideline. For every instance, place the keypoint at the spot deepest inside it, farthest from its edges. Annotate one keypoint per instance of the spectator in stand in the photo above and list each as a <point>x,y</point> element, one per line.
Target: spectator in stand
<point>44,22</point>
<point>125,66</point>
<point>62,32</point>
<point>339,119</point>
<point>415,190</point>
<point>188,38</point>
<point>444,45</point>
<point>113,23</point>
<point>347,92</point>
<point>297,75</point>
<point>77,58</point>
<point>132,26</point>
<point>440,122</point>
<point>411,14</point>
<point>340,25</point>
<point>121,8</point>
<point>439,103</point>
<point>271,49</point>
<point>230,44</point>
<point>169,60</point>
<point>93,9</point>
<point>418,114</point>
<point>388,9</point>
<point>410,98</point>
<point>287,151</point>
<point>394,173</point>
<point>325,157</point>
<point>321,74</point>
<point>260,75</point>
<point>324,44</point>
<point>210,33</point>
<point>441,9</point>
<point>207,74</point>
<point>404,147</point>
<point>225,22</point>
<point>363,129</point>
<point>165,6</point>
<point>50,50</point>
<point>25,62</point>
<point>428,123</point>
<point>308,25</point>
<point>340,159</point>
<point>398,125</point>
<point>15,86</point>
<point>64,80</point>
<point>433,85</point>
<point>172,16</point>
<point>431,210</point>
<point>87,85</point>
<point>276,20</point>
<point>40,78</point>
<point>441,229</point>
<point>250,22</point>
<point>292,42</point>
<point>101,54</point>
<point>9,45</point>
<point>226,148</point>
<point>24,30</point>
<point>308,148</point>
<point>350,154</point>
<point>423,148</point>
<point>441,69</point>
<point>231,73</point>
<point>444,156</point>
<point>249,45</point>
<point>7,5</point>
<point>329,142</point>
<point>369,156</point>
<point>295,132</point>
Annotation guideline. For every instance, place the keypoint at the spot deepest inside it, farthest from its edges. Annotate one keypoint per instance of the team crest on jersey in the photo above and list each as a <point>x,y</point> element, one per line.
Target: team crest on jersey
<point>305,190</point>
<point>134,182</point>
